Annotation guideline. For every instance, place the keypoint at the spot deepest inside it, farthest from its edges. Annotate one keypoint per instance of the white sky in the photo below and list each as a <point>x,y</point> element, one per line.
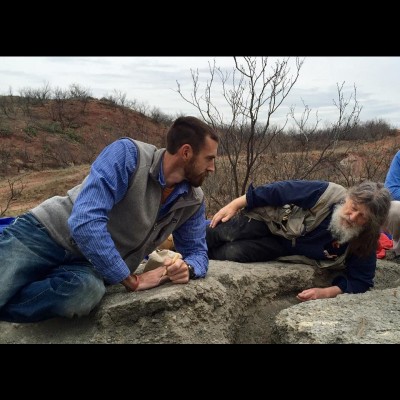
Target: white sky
<point>152,81</point>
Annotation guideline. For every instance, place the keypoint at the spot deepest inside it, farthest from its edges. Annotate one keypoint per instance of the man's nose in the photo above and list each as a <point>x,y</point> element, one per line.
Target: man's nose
<point>354,215</point>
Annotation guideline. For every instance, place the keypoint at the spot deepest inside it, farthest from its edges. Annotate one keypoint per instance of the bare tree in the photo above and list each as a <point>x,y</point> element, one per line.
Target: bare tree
<point>6,156</point>
<point>80,93</point>
<point>118,98</point>
<point>30,99</point>
<point>253,91</point>
<point>8,105</point>
<point>364,160</point>
<point>306,162</point>
<point>13,194</point>
<point>67,107</point>
<point>160,117</point>
<point>140,107</point>
<point>58,106</point>
<point>42,95</point>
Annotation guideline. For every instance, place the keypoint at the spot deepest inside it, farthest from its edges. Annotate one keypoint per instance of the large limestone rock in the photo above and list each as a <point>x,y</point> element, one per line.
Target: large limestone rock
<point>235,303</point>
<point>372,317</point>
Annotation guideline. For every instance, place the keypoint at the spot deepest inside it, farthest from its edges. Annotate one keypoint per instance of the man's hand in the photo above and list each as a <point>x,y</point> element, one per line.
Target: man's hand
<point>319,293</point>
<point>176,272</point>
<point>152,278</point>
<point>227,212</point>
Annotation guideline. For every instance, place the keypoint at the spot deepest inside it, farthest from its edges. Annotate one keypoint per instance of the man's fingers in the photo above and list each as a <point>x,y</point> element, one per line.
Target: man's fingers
<point>171,267</point>
<point>304,295</point>
<point>308,294</point>
<point>180,274</point>
<point>214,221</point>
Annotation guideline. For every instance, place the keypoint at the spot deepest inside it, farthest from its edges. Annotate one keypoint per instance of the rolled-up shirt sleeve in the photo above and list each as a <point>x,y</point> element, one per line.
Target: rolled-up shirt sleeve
<point>190,241</point>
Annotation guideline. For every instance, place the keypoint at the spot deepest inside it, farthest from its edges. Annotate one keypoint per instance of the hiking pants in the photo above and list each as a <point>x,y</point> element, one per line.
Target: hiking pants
<point>243,239</point>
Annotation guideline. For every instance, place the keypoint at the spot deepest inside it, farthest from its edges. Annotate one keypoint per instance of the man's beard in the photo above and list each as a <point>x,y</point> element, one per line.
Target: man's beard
<point>192,177</point>
<point>342,232</point>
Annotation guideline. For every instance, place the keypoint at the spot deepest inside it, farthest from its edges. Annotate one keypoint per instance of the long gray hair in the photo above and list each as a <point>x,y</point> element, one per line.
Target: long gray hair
<point>377,200</point>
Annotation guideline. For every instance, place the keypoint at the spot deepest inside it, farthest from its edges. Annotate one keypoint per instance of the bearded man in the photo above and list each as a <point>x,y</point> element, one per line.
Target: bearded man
<point>314,222</point>
<point>57,258</point>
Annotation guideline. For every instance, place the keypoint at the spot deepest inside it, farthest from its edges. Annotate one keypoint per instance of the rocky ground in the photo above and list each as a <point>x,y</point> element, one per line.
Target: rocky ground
<point>235,303</point>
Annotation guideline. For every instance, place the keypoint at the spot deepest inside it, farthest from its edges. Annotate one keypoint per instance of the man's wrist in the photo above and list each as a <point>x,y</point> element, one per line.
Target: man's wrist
<point>131,282</point>
<point>192,274</point>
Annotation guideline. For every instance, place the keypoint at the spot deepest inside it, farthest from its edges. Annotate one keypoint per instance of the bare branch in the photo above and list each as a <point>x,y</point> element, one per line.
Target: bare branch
<point>14,193</point>
<point>252,93</point>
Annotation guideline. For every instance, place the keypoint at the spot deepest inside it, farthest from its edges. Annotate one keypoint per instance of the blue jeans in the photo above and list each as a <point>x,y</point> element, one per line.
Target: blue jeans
<point>39,279</point>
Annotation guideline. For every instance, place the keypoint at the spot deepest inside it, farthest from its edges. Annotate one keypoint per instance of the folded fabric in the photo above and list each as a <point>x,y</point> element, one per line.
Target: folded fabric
<point>157,258</point>
<point>384,243</point>
<point>5,221</point>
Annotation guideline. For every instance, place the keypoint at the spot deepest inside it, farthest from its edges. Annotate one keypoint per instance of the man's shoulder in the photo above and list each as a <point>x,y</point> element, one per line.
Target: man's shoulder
<point>335,185</point>
<point>133,142</point>
<point>334,192</point>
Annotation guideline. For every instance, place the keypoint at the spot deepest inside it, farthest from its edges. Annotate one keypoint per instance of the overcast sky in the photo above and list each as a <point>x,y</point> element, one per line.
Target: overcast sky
<point>152,81</point>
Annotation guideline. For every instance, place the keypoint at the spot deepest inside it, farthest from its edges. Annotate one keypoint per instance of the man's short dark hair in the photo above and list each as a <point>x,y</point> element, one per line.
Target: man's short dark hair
<point>189,130</point>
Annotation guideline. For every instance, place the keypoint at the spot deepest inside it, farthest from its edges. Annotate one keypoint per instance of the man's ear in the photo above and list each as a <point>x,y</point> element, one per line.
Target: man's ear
<point>186,152</point>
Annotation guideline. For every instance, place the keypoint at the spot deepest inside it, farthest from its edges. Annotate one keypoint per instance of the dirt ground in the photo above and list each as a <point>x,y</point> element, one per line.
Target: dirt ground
<point>40,157</point>
<point>37,186</point>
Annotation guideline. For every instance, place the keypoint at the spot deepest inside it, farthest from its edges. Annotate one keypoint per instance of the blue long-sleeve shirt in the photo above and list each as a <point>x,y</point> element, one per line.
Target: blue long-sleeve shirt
<point>392,181</point>
<point>359,273</point>
<point>106,185</point>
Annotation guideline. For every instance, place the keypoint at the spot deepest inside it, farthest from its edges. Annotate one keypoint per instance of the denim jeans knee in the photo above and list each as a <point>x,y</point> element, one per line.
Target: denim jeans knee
<point>27,253</point>
<point>39,279</point>
<point>68,291</point>
<point>82,289</point>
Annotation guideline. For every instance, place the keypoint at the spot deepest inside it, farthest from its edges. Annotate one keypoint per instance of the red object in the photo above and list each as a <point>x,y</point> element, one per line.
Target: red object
<point>384,243</point>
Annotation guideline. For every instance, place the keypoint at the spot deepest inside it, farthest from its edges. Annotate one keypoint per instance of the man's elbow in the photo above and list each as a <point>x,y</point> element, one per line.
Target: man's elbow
<point>395,194</point>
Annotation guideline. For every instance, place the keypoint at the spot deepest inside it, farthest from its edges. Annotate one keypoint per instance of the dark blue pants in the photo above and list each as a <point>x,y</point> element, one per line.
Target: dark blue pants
<point>243,239</point>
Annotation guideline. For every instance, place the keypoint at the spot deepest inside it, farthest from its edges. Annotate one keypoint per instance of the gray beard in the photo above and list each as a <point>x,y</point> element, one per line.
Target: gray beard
<point>343,234</point>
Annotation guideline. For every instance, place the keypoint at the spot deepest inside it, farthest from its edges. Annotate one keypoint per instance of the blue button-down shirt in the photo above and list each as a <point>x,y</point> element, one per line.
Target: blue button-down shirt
<point>106,185</point>
<point>392,181</point>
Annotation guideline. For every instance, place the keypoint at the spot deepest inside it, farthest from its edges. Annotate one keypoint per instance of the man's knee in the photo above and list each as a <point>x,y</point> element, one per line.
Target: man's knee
<point>85,292</point>
<point>231,252</point>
